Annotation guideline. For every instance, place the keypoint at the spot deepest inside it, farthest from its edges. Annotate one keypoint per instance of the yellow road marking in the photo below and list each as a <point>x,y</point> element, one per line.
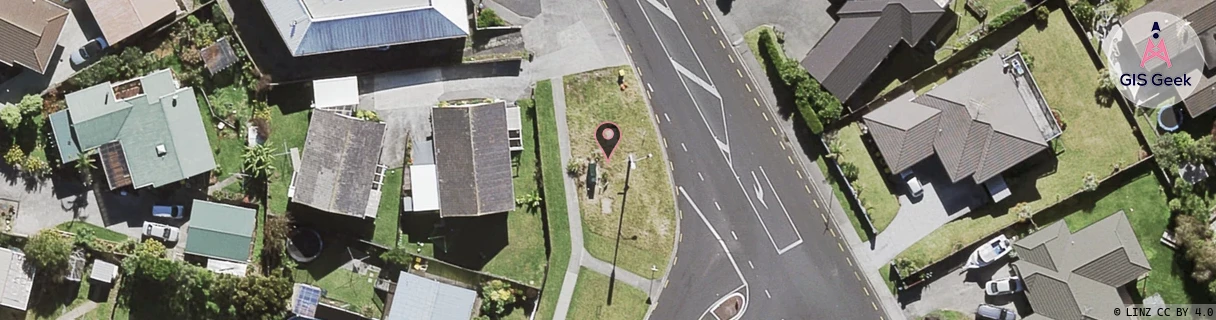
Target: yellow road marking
<point>855,274</point>
<point>782,145</point>
<point>799,174</point>
<point>703,14</point>
<point>682,240</point>
<point>850,260</point>
<point>627,47</point>
<point>825,218</point>
<point>756,101</point>
<point>737,71</point>
<point>715,30</point>
<point>833,232</point>
<point>790,158</point>
<point>816,202</point>
<point>618,27</point>
<point>749,87</point>
<point>808,190</point>
<point>669,281</point>
<point>677,259</point>
<point>773,130</point>
<point>867,290</point>
<point>873,305</point>
<point>698,2</point>
<point>842,250</point>
<point>665,143</point>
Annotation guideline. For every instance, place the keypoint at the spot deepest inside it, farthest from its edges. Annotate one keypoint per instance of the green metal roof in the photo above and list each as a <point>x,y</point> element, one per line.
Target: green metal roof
<point>163,116</point>
<point>220,231</point>
<point>62,130</point>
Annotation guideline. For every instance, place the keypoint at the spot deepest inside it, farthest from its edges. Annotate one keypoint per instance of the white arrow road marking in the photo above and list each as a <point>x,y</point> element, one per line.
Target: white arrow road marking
<point>759,191</point>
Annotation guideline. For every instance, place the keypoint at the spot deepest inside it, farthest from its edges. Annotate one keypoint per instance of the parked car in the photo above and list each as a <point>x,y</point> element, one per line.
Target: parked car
<point>993,250</point>
<point>163,232</point>
<point>171,212</point>
<point>987,311</point>
<point>89,50</point>
<point>915,190</point>
<point>1003,286</point>
<point>1017,67</point>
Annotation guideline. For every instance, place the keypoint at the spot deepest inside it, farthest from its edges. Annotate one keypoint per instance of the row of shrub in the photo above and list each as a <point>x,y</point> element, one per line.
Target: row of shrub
<point>816,105</point>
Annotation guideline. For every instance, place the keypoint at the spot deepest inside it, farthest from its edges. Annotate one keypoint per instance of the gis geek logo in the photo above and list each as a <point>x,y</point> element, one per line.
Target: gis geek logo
<point>1155,58</point>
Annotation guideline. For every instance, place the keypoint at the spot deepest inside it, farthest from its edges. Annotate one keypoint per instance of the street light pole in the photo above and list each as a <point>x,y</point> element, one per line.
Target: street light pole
<point>620,222</point>
<point>650,294</point>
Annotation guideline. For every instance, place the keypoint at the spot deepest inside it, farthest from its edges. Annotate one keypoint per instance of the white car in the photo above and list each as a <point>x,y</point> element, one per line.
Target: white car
<point>1003,286</point>
<point>915,190</point>
<point>990,251</point>
<point>163,232</point>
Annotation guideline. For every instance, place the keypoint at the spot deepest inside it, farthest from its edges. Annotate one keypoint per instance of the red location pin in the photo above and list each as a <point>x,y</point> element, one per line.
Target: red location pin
<point>607,135</point>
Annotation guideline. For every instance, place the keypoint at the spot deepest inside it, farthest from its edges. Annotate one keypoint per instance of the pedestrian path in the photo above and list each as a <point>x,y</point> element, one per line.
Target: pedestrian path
<point>79,311</point>
<point>575,218</point>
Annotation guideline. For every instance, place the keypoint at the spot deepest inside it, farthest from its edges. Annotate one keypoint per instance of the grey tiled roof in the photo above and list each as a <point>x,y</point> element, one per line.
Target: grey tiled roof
<point>1076,275</point>
<point>977,123</point>
<point>473,160</point>
<point>308,29</point>
<point>340,158</point>
<point>865,35</point>
<point>1202,16</point>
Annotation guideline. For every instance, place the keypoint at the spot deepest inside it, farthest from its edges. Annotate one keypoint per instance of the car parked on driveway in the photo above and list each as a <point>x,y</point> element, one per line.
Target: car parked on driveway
<point>987,311</point>
<point>89,51</point>
<point>990,251</point>
<point>170,212</point>
<point>915,189</point>
<point>1003,286</point>
<point>163,232</point>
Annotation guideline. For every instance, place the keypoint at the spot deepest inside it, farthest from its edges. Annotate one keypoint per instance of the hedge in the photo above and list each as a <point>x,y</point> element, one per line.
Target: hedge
<point>815,104</point>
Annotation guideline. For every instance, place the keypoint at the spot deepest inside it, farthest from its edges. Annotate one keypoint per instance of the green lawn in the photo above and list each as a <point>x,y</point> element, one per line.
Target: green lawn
<point>290,128</point>
<point>98,232</point>
<point>648,231</point>
<point>227,145</point>
<point>591,297</point>
<point>871,183</point>
<point>1144,202</point>
<point>1096,138</point>
<point>524,257</point>
<point>387,229</point>
<point>552,172</point>
<point>340,284</point>
<point>844,202</point>
<point>946,315</point>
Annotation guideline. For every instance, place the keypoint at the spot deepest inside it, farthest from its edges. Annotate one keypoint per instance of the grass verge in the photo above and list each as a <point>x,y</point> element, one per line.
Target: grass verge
<point>648,231</point>
<point>944,314</point>
<point>555,197</point>
<point>390,210</point>
<point>871,184</point>
<point>591,296</point>
<point>1097,137</point>
<point>99,232</point>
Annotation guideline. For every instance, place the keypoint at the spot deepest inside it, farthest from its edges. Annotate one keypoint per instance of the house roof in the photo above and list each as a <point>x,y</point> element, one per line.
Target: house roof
<point>867,32</point>
<point>220,231</point>
<point>418,298</point>
<point>425,184</point>
<point>473,159</point>
<point>29,31</point>
<point>1075,275</point>
<point>978,124</point>
<point>339,162</point>
<point>1202,18</point>
<point>320,26</point>
<point>160,115</point>
<point>18,279</point>
<point>336,92</point>
<point>119,19</point>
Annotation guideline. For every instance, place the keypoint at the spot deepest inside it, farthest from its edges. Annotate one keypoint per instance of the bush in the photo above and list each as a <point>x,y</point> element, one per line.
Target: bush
<point>14,156</point>
<point>1084,13</point>
<point>496,295</point>
<point>815,104</point>
<point>849,170</point>
<point>367,115</point>
<point>30,105</point>
<point>49,252</point>
<point>1089,182</point>
<point>168,289</point>
<point>35,166</point>
<point>488,18</point>
<point>1041,14</point>
<point>11,116</point>
<point>1006,17</point>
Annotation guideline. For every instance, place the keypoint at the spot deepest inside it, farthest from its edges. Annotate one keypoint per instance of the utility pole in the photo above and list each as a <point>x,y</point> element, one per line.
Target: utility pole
<point>620,222</point>
<point>650,294</point>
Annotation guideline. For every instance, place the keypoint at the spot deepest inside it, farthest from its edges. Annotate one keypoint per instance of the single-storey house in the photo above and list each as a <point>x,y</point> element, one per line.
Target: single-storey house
<point>418,298</point>
<point>29,32</point>
<point>867,33</point>
<point>977,124</point>
<point>310,27</point>
<point>1080,275</point>
<point>1201,16</point>
<point>341,171</point>
<point>472,160</point>
<point>147,131</point>
<point>222,234</point>
<point>120,19</point>
<point>18,279</point>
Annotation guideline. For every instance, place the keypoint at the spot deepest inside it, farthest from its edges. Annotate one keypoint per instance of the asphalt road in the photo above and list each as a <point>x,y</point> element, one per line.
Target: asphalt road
<point>750,222</point>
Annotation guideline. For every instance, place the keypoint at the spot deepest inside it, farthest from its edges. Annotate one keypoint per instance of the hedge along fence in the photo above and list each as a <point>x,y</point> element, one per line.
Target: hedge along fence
<point>922,274</point>
<point>816,105</point>
<point>993,31</point>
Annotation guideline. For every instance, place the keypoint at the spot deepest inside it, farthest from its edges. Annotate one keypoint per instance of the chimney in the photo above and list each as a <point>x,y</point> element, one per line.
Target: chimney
<point>160,150</point>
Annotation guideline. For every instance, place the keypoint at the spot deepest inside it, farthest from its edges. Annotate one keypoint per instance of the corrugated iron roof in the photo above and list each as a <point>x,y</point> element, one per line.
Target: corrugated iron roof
<point>473,159</point>
<point>340,158</point>
<point>368,25</point>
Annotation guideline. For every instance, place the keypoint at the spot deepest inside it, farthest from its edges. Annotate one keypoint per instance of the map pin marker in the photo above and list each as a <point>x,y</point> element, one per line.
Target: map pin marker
<point>607,135</point>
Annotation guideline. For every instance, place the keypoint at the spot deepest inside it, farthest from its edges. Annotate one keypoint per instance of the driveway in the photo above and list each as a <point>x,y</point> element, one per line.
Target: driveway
<point>79,27</point>
<point>46,203</point>
<point>942,202</point>
<point>963,291</point>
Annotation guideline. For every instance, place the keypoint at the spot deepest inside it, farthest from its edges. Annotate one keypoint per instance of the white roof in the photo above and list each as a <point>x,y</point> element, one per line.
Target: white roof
<point>18,282</point>
<point>425,181</point>
<point>103,271</point>
<point>227,267</point>
<point>337,92</point>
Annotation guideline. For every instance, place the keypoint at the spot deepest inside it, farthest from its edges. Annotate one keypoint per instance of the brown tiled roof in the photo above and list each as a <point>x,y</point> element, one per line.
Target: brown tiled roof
<point>864,36</point>
<point>1075,275</point>
<point>120,19</point>
<point>29,31</point>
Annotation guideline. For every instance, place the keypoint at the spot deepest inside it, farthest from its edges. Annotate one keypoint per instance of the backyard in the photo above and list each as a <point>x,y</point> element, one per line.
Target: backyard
<point>1096,139</point>
<point>523,259</point>
<point>968,22</point>
<point>647,233</point>
<point>591,297</point>
<point>387,228</point>
<point>868,180</point>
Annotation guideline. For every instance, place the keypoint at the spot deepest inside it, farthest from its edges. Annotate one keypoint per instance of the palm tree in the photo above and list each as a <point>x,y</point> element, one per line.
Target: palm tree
<point>86,165</point>
<point>258,161</point>
<point>1025,213</point>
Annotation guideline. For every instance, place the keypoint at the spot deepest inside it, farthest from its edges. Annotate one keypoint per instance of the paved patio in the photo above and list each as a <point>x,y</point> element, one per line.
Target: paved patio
<point>47,203</point>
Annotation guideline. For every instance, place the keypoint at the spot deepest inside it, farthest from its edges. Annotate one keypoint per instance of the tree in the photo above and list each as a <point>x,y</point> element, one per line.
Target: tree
<point>49,252</point>
<point>1041,14</point>
<point>1176,149</point>
<point>496,295</point>
<point>367,115</point>
<point>30,105</point>
<point>1025,213</point>
<point>1106,91</point>
<point>258,160</point>
<point>1085,14</point>
<point>150,248</point>
<point>1089,182</point>
<point>11,116</point>
<point>85,165</point>
<point>1122,7</point>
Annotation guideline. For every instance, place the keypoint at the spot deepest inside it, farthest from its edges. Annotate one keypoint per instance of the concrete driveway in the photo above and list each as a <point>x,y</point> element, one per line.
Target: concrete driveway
<point>79,28</point>
<point>45,203</point>
<point>963,291</point>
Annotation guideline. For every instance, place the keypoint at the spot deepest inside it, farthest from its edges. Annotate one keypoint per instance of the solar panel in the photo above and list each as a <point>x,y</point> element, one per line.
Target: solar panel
<point>307,300</point>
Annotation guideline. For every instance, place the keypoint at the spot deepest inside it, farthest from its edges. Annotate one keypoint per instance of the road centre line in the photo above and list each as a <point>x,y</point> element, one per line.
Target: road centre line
<point>700,176</point>
<point>666,117</point>
<point>683,147</point>
<point>749,263</point>
<point>732,235</point>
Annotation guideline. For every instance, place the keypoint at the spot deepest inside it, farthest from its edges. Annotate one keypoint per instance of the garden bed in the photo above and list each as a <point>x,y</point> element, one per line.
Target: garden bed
<point>868,178</point>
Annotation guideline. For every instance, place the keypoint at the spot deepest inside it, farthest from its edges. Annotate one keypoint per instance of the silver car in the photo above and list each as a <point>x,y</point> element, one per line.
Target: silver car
<point>163,232</point>
<point>987,311</point>
<point>1003,286</point>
